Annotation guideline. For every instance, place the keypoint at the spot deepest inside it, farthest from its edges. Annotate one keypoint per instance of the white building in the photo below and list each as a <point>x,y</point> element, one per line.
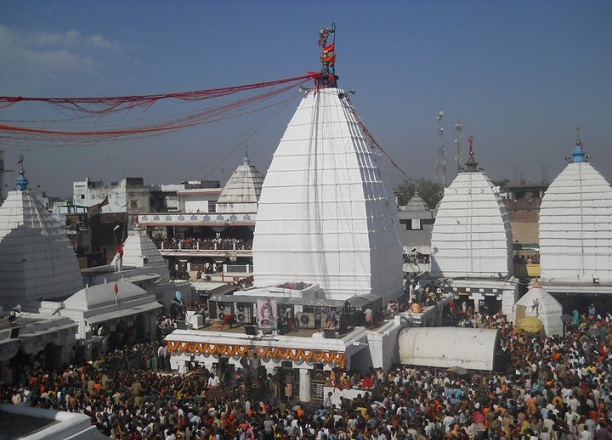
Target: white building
<point>541,305</point>
<point>326,239</point>
<point>132,196</point>
<point>45,306</point>
<point>416,220</point>
<point>37,261</point>
<point>471,235</point>
<point>114,306</point>
<point>576,225</point>
<point>242,191</point>
<point>471,242</point>
<point>324,215</point>
<point>129,195</point>
<point>27,423</point>
<point>200,200</point>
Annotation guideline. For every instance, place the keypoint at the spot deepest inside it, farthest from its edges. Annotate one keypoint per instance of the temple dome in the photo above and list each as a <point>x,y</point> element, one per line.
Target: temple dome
<point>416,204</point>
<point>471,236</point>
<point>576,225</point>
<point>37,260</point>
<point>324,214</point>
<point>242,190</point>
<point>140,251</point>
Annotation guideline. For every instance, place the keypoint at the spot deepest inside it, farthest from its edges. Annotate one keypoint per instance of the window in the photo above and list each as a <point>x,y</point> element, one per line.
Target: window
<point>414,224</point>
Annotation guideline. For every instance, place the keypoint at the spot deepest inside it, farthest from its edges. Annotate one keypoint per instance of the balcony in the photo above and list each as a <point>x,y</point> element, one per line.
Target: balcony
<point>197,219</point>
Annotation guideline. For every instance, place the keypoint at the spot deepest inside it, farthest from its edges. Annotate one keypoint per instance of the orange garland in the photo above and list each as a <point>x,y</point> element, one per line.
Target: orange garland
<point>296,355</point>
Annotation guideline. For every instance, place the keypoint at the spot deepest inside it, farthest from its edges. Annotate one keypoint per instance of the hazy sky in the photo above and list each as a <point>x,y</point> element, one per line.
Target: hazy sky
<point>519,75</point>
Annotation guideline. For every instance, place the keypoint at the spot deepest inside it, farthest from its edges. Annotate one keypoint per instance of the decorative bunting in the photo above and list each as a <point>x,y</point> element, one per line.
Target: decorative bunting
<point>294,354</point>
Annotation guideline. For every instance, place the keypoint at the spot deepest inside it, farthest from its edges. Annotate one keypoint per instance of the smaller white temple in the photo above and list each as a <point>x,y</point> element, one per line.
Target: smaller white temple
<point>241,192</point>
<point>537,304</point>
<point>37,260</point>
<point>471,235</point>
<point>112,306</point>
<point>471,242</point>
<point>45,305</point>
<point>576,225</point>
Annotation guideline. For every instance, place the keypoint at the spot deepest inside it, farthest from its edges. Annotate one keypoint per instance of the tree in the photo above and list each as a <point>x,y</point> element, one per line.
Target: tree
<point>429,191</point>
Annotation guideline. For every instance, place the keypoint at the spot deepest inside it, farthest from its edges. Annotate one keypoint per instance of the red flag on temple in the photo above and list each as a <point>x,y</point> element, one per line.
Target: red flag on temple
<point>331,59</point>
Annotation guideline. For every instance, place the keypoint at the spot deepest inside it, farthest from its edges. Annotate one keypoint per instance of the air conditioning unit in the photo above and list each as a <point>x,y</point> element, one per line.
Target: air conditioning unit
<point>222,310</point>
<point>242,312</point>
<point>197,321</point>
<point>306,320</point>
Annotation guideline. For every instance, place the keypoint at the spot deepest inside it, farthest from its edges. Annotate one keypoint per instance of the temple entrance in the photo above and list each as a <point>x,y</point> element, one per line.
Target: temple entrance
<point>53,356</point>
<point>490,305</point>
<point>318,381</point>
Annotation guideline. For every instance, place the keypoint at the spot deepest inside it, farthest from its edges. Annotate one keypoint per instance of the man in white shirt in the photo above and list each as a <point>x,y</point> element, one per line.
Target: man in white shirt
<point>213,381</point>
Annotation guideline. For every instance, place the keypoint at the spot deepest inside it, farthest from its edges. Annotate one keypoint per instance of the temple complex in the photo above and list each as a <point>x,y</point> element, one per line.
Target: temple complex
<point>326,254</point>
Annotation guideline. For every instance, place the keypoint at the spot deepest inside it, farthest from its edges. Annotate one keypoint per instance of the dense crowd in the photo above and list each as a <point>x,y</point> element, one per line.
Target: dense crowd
<point>190,243</point>
<point>553,388</point>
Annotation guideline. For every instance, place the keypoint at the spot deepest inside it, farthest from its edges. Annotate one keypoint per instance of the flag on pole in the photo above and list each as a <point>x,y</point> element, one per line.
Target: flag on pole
<point>116,289</point>
<point>97,208</point>
<point>329,48</point>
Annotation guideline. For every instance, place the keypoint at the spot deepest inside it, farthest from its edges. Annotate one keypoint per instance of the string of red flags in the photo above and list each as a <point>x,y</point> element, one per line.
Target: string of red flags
<point>106,105</point>
<point>374,143</point>
<point>49,133</point>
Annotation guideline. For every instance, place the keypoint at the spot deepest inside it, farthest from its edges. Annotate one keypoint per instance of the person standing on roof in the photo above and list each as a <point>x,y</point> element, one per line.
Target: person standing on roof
<point>369,317</point>
<point>119,258</point>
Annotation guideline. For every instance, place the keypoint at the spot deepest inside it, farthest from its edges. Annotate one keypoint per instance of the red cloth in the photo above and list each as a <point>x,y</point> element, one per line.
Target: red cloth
<point>367,382</point>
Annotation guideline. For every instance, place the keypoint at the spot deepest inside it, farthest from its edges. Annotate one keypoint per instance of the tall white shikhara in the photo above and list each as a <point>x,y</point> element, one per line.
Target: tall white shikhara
<point>325,215</point>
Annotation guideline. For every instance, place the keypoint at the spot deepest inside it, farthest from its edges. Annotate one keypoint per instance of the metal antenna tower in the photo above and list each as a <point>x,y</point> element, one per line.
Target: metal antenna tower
<point>441,154</point>
<point>458,139</point>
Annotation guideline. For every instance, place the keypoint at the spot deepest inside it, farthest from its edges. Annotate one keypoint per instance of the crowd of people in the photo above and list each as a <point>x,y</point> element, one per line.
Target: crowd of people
<point>557,387</point>
<point>219,243</point>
